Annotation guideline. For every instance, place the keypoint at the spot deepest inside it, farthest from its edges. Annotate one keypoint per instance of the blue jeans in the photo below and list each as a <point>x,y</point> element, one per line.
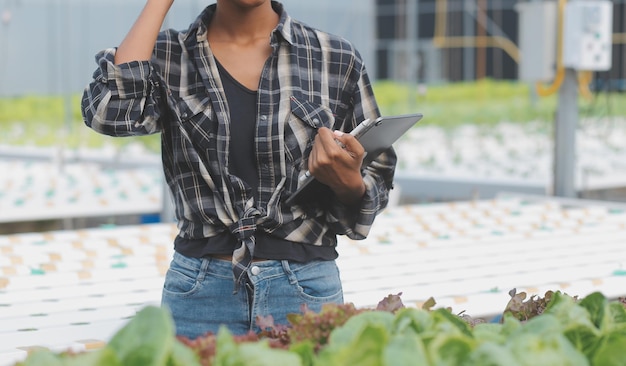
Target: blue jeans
<point>199,293</point>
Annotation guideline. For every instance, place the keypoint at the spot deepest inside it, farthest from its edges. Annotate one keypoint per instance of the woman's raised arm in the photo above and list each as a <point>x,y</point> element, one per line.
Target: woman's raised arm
<point>139,42</point>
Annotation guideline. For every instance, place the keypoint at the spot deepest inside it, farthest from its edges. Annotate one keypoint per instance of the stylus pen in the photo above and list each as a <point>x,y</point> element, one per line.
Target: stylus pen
<point>356,132</point>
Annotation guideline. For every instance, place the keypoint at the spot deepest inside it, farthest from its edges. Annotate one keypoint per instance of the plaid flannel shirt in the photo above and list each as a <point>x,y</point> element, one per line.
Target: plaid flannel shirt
<point>312,79</point>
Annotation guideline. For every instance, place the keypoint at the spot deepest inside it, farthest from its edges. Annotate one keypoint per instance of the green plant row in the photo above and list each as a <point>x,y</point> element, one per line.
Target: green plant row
<point>557,330</point>
<point>45,121</point>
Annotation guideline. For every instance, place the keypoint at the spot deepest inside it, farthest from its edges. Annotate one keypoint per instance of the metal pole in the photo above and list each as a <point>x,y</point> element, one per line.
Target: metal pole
<point>469,30</point>
<point>565,137</point>
<point>412,38</point>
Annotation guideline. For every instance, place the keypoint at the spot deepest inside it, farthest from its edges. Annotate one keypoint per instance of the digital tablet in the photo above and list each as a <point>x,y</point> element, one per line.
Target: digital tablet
<point>376,136</point>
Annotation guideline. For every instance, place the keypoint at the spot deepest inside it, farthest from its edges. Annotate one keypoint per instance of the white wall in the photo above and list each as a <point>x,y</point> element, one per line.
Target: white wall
<point>48,46</point>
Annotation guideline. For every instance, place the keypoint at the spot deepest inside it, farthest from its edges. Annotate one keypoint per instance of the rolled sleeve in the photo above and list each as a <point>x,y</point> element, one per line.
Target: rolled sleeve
<point>122,100</point>
<point>125,81</point>
<point>356,221</point>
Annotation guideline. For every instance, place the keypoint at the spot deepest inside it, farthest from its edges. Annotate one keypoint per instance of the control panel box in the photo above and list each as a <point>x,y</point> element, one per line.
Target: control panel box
<point>588,35</point>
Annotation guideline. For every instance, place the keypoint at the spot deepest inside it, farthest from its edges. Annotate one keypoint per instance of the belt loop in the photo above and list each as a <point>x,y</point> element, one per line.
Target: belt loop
<point>204,268</point>
<point>290,275</point>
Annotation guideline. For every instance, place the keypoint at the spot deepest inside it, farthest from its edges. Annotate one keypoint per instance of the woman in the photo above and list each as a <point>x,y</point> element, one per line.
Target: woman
<point>247,100</point>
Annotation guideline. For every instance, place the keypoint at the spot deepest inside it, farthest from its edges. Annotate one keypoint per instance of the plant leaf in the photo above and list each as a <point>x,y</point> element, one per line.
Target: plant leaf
<point>147,340</point>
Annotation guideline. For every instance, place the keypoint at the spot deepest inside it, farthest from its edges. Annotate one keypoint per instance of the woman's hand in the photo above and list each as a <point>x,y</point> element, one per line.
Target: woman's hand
<point>336,160</point>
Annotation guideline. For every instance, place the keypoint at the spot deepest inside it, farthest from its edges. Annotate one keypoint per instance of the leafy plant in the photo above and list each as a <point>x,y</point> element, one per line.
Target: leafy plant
<point>556,329</point>
<point>147,340</point>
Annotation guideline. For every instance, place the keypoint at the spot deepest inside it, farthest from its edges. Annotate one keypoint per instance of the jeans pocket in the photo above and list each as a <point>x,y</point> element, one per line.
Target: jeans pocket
<point>319,282</point>
<point>183,276</point>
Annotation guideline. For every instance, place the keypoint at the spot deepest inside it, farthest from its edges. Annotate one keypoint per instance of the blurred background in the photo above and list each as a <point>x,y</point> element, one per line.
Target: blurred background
<point>491,77</point>
<point>515,178</point>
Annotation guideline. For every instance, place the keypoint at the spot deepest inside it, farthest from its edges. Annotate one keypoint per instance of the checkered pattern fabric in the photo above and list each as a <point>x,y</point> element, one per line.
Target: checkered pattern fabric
<point>312,79</point>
